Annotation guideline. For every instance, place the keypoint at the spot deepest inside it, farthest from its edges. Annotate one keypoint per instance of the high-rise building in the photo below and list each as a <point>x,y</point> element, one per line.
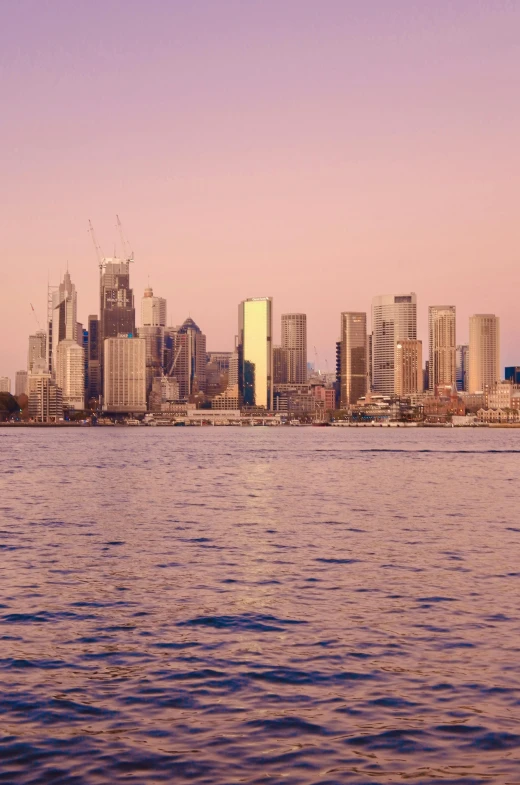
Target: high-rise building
<point>484,351</point>
<point>394,318</point>
<point>117,312</point>
<point>70,373</point>
<point>294,341</point>
<point>461,365</point>
<point>353,358</point>
<point>93,359</point>
<point>188,364</point>
<point>153,310</point>
<point>125,375</point>
<point>280,365</point>
<point>255,349</point>
<point>37,348</point>
<point>442,344</point>
<point>5,384</point>
<point>408,368</point>
<point>512,374</point>
<point>21,383</point>
<point>45,397</point>
<point>63,325</point>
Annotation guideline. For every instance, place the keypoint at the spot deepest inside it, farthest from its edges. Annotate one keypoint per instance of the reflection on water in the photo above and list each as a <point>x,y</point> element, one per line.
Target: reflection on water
<point>259,605</point>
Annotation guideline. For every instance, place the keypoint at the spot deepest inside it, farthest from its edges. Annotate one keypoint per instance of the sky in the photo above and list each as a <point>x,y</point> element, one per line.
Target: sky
<point>318,152</point>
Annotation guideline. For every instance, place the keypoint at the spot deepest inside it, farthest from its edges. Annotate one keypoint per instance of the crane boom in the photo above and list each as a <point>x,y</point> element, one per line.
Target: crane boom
<point>127,253</point>
<point>97,247</point>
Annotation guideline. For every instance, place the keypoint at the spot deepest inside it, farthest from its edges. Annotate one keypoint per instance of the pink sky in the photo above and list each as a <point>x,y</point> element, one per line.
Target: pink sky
<point>319,152</point>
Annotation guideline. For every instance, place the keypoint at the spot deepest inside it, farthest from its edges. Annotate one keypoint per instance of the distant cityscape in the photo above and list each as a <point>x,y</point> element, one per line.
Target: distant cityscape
<point>112,370</point>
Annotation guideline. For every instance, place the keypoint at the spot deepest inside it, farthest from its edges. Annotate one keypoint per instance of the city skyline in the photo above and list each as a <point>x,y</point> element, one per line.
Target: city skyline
<point>354,152</point>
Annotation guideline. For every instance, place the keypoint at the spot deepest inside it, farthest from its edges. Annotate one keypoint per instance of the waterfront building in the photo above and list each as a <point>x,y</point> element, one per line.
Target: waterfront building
<point>512,374</point>
<point>117,312</point>
<point>295,399</point>
<point>499,396</point>
<point>461,367</point>
<point>63,325</point>
<point>5,384</point>
<point>352,358</point>
<point>325,395</point>
<point>93,377</point>
<point>21,383</point>
<point>45,397</point>
<point>442,346</point>
<point>229,399</point>
<point>37,348</point>
<point>394,319</point>
<point>125,374</point>
<point>484,351</point>
<point>165,389</point>
<point>70,373</point>
<point>255,350</point>
<point>294,342</point>
<point>408,368</point>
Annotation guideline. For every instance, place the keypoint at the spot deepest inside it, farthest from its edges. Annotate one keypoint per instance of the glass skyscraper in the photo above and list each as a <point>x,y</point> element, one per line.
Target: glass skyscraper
<point>255,347</point>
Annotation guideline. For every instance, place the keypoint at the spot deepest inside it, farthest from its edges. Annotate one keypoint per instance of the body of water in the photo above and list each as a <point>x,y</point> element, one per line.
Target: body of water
<point>259,605</point>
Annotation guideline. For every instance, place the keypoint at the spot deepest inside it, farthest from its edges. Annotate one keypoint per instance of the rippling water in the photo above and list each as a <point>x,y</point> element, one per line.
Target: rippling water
<point>223,605</point>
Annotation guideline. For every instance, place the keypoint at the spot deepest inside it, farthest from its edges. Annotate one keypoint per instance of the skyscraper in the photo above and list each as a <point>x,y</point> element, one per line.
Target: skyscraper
<point>408,367</point>
<point>294,341</point>
<point>70,373</point>
<point>394,318</point>
<point>255,348</point>
<point>461,367</point>
<point>117,312</point>
<point>93,359</point>
<point>442,345</point>
<point>37,348</point>
<point>353,358</point>
<point>153,309</point>
<point>153,320</point>
<point>125,375</point>
<point>484,351</point>
<point>63,325</point>
<point>21,383</point>
<point>189,358</point>
<point>279,365</point>
<point>45,397</point>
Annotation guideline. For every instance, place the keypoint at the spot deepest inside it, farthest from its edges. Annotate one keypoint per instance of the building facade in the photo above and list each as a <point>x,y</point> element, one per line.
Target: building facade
<point>188,363</point>
<point>394,319</point>
<point>484,351</point>
<point>117,311</point>
<point>294,342</point>
<point>63,325</point>
<point>45,397</point>
<point>255,329</point>
<point>442,346</point>
<point>70,374</point>
<point>37,348</point>
<point>125,375</point>
<point>408,368</point>
<point>5,384</point>
<point>21,383</point>
<point>93,391</point>
<point>353,358</point>
<point>462,367</point>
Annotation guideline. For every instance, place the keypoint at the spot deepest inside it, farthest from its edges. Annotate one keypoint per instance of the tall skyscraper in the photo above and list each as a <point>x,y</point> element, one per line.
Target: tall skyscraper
<point>442,345</point>
<point>462,367</point>
<point>294,341</point>
<point>117,312</point>
<point>279,365</point>
<point>353,358</point>
<point>255,348</point>
<point>484,351</point>
<point>394,318</point>
<point>21,383</point>
<point>70,373</point>
<point>408,368</point>
<point>94,349</point>
<point>37,348</point>
<point>153,320</point>
<point>125,375</point>
<point>188,365</point>
<point>63,324</point>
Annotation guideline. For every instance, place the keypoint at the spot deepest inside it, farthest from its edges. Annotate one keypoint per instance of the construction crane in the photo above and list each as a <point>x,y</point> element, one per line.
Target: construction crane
<point>174,362</point>
<point>316,361</point>
<point>127,253</point>
<point>35,316</point>
<point>99,253</point>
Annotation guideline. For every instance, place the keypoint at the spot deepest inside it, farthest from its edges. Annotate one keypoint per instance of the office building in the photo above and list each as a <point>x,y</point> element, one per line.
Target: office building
<point>461,367</point>
<point>45,397</point>
<point>93,380</point>
<point>125,375</point>
<point>499,396</point>
<point>165,390</point>
<point>37,348</point>
<point>188,358</point>
<point>294,341</point>
<point>70,373</point>
<point>280,365</point>
<point>63,324</point>
<point>255,349</point>
<point>153,309</point>
<point>394,319</point>
<point>408,368</point>
<point>442,346</point>
<point>353,358</point>
<point>117,312</point>
<point>512,374</point>
<point>484,351</point>
<point>21,383</point>
<point>5,384</point>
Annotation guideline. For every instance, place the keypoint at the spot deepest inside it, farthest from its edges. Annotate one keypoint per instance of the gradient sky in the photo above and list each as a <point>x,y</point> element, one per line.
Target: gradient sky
<point>319,152</point>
